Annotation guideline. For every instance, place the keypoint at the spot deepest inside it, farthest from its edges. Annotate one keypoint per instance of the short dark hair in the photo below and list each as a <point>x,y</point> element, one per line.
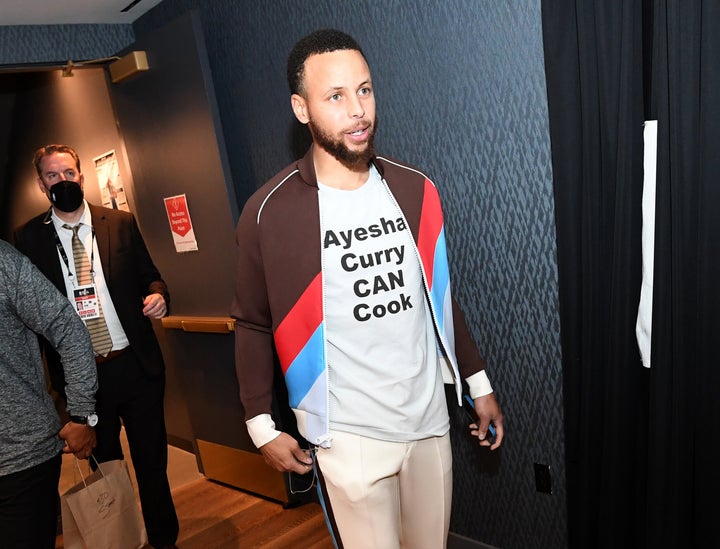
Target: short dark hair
<point>47,150</point>
<point>320,41</point>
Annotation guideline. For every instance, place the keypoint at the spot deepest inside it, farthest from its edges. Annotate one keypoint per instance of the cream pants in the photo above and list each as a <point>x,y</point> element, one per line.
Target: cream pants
<point>389,495</point>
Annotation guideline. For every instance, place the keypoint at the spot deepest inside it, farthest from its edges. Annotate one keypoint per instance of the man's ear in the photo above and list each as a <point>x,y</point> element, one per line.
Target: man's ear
<point>43,188</point>
<point>299,108</point>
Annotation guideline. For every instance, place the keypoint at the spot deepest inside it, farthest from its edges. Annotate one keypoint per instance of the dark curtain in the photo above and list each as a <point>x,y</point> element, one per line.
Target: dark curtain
<point>641,445</point>
<point>683,479</point>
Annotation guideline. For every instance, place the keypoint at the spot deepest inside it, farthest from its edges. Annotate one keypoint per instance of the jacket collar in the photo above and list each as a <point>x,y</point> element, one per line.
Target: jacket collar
<point>307,168</point>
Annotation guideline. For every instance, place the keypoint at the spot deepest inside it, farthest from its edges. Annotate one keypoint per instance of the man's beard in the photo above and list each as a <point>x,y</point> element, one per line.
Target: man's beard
<point>356,161</point>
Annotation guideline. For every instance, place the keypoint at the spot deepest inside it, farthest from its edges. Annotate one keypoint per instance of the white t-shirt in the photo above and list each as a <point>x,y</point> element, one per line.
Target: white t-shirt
<point>384,378</point>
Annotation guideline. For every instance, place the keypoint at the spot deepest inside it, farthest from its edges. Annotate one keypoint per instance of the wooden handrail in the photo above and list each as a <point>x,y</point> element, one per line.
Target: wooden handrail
<point>206,324</point>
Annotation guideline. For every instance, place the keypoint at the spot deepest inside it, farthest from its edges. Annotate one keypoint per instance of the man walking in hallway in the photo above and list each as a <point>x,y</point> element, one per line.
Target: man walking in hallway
<point>342,270</point>
<point>98,258</point>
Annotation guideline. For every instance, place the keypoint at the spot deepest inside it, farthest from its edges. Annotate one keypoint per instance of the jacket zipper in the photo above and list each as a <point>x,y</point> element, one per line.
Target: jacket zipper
<point>441,336</point>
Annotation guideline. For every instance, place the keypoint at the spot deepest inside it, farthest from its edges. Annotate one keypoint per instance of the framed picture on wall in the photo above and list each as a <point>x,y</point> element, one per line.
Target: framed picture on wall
<point>110,182</point>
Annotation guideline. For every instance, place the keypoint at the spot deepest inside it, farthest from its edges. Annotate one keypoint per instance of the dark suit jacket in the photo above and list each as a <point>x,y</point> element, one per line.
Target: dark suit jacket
<point>129,272</point>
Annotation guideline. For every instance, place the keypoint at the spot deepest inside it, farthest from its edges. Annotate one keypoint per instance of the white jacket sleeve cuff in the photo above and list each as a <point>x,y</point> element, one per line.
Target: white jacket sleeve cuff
<point>479,385</point>
<point>261,429</point>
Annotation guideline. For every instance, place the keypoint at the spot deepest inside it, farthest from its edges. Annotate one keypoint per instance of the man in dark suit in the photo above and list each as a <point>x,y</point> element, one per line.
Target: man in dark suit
<point>98,258</point>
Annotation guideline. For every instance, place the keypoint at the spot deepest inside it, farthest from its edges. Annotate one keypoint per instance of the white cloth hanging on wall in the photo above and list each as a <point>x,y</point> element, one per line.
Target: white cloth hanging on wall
<point>643,327</point>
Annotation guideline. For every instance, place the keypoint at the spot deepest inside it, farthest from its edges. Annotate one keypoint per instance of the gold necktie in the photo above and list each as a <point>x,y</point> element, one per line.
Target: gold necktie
<point>99,333</point>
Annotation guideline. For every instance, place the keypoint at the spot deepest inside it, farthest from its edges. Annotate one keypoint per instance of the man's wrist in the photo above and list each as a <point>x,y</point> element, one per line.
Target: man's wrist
<point>479,385</point>
<point>91,420</point>
<point>261,429</point>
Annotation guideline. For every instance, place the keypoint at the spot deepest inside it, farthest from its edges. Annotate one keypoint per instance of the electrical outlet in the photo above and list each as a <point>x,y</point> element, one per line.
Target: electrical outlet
<point>543,479</point>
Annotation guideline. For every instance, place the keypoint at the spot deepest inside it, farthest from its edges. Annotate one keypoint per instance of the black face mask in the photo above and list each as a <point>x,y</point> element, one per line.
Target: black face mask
<point>66,196</point>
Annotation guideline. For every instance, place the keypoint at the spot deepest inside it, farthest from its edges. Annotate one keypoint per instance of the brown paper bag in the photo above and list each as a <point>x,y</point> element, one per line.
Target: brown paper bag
<point>102,512</point>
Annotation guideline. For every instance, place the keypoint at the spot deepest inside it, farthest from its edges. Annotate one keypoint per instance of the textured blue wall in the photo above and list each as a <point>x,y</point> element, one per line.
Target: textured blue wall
<point>460,88</point>
<point>26,44</point>
<point>461,93</point>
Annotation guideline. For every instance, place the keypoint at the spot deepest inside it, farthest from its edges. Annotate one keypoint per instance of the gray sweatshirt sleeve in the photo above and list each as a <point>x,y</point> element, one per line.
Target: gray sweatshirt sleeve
<point>49,313</point>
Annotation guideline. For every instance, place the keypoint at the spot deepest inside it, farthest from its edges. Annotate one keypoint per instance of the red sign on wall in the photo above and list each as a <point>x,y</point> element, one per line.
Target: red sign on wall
<point>180,223</point>
<point>178,214</point>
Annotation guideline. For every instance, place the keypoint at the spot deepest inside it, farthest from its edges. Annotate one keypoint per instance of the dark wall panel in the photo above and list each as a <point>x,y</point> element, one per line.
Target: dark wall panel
<point>174,147</point>
<point>167,119</point>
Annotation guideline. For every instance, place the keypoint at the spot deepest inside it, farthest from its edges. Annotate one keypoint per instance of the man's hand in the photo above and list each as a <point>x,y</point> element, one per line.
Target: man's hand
<point>154,306</point>
<point>79,439</point>
<point>284,454</point>
<point>488,410</point>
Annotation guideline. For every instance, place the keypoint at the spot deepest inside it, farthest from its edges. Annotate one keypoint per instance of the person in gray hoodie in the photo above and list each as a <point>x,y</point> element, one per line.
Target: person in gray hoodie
<point>32,439</point>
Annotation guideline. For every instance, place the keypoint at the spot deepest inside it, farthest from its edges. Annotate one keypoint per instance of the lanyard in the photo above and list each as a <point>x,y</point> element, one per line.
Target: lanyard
<point>61,251</point>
